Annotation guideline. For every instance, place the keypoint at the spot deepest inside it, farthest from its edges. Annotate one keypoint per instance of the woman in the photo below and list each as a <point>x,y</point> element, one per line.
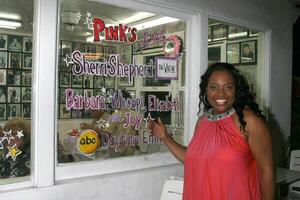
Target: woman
<point>230,155</point>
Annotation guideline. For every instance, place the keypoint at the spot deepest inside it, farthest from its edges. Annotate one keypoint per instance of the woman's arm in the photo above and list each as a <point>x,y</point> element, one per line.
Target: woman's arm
<point>159,130</point>
<point>260,143</point>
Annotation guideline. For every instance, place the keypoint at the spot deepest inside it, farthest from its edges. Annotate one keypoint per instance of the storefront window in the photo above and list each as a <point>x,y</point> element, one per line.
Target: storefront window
<point>16,42</point>
<point>243,48</point>
<point>117,69</point>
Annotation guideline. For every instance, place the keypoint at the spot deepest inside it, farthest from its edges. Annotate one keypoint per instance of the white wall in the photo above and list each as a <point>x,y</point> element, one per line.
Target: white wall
<point>146,184</point>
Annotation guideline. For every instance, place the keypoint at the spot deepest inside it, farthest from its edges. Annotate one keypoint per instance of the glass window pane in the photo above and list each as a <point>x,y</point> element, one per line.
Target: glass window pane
<point>117,68</point>
<point>16,44</point>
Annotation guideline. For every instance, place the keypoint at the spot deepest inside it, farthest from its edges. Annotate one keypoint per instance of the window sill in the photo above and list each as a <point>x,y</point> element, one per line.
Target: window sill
<point>115,165</point>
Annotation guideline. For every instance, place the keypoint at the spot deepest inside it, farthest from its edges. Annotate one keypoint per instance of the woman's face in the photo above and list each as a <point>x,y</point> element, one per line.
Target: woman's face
<point>220,91</point>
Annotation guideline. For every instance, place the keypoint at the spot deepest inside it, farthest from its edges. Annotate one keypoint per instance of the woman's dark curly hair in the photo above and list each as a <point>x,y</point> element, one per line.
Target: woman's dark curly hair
<point>243,97</point>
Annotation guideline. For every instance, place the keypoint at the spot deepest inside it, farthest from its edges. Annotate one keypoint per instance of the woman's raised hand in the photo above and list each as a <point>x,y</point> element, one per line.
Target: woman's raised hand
<point>158,129</point>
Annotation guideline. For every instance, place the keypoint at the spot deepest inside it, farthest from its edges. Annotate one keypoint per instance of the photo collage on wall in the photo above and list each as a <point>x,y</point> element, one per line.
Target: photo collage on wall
<point>89,84</point>
<point>15,76</point>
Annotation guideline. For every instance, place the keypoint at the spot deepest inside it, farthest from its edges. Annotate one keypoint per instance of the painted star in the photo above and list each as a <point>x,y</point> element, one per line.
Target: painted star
<point>8,136</point>
<point>101,123</point>
<point>88,20</point>
<point>147,119</point>
<point>103,90</point>
<point>106,125</point>
<point>13,152</point>
<point>68,60</point>
<point>20,134</point>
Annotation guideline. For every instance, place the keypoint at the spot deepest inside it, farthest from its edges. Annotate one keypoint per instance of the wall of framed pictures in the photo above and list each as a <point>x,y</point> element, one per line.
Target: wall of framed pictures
<point>15,76</point>
<point>92,85</point>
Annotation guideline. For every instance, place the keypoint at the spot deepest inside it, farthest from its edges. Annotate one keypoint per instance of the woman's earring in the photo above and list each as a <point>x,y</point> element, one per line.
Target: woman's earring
<point>204,100</point>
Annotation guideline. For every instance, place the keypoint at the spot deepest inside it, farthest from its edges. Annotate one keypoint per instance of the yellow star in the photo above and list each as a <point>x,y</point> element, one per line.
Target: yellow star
<point>13,152</point>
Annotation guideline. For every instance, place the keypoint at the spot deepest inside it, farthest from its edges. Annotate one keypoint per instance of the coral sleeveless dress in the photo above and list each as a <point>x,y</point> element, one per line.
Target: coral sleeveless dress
<point>219,164</point>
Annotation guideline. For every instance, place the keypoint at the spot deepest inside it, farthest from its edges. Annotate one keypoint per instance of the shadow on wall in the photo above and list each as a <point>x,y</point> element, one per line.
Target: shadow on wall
<point>280,143</point>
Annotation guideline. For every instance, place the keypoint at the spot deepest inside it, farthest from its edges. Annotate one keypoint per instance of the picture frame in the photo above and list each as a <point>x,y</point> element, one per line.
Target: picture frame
<point>98,92</point>
<point>233,53</point>
<point>2,77</point>
<point>79,46</point>
<point>2,111</point>
<point>76,81</point>
<point>98,81</point>
<point>26,78</point>
<point>63,66</point>
<point>3,92</point>
<point>76,113</point>
<point>63,112</point>
<point>13,94</point>
<point>26,110</point>
<point>26,94</point>
<point>88,92</point>
<point>88,81</point>
<point>219,32</point>
<point>13,77</point>
<point>27,61</point>
<point>124,82</point>
<point>15,43</point>
<point>214,53</point>
<point>13,110</point>
<point>248,52</point>
<point>3,42</point>
<point>136,48</point>
<point>27,44</point>
<point>125,52</point>
<point>66,48</point>
<point>166,68</point>
<point>3,59</point>
<point>65,79</point>
<point>62,96</point>
<point>15,60</point>
<point>109,82</point>
<point>235,32</point>
<point>209,34</point>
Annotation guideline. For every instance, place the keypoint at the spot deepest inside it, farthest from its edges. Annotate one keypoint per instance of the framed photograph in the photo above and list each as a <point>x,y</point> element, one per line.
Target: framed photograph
<point>26,110</point>
<point>2,77</point>
<point>13,77</point>
<point>98,81</point>
<point>248,52</point>
<point>125,52</point>
<point>3,59</point>
<point>65,79</point>
<point>237,32</point>
<point>15,60</point>
<point>109,82</point>
<point>90,48</point>
<point>26,78</point>
<point>27,61</point>
<point>166,68</point>
<point>62,96</point>
<point>66,48</point>
<point>26,94</point>
<point>13,110</point>
<point>88,92</point>
<point>209,34</point>
<point>79,46</point>
<point>78,92</point>
<point>27,44</point>
<point>63,112</point>
<point>3,92</point>
<point>88,81</point>
<point>97,92</point>
<point>219,32</point>
<point>14,43</point>
<point>76,81</point>
<point>214,53</point>
<point>3,42</point>
<point>2,111</point>
<point>233,53</point>
<point>13,94</point>
<point>136,48</point>
<point>124,82</point>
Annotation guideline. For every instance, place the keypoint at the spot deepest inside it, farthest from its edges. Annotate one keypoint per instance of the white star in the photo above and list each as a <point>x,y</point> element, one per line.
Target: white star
<point>68,60</point>
<point>101,123</point>
<point>148,118</point>
<point>7,136</point>
<point>89,20</point>
<point>20,134</point>
<point>13,152</point>
<point>107,125</point>
<point>103,90</point>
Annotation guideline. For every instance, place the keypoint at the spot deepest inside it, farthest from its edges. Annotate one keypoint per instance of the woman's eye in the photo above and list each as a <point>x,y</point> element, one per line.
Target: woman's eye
<point>228,87</point>
<point>212,88</point>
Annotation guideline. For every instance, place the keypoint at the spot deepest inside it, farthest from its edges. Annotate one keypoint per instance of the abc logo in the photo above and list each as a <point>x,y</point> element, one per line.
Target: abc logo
<point>88,142</point>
